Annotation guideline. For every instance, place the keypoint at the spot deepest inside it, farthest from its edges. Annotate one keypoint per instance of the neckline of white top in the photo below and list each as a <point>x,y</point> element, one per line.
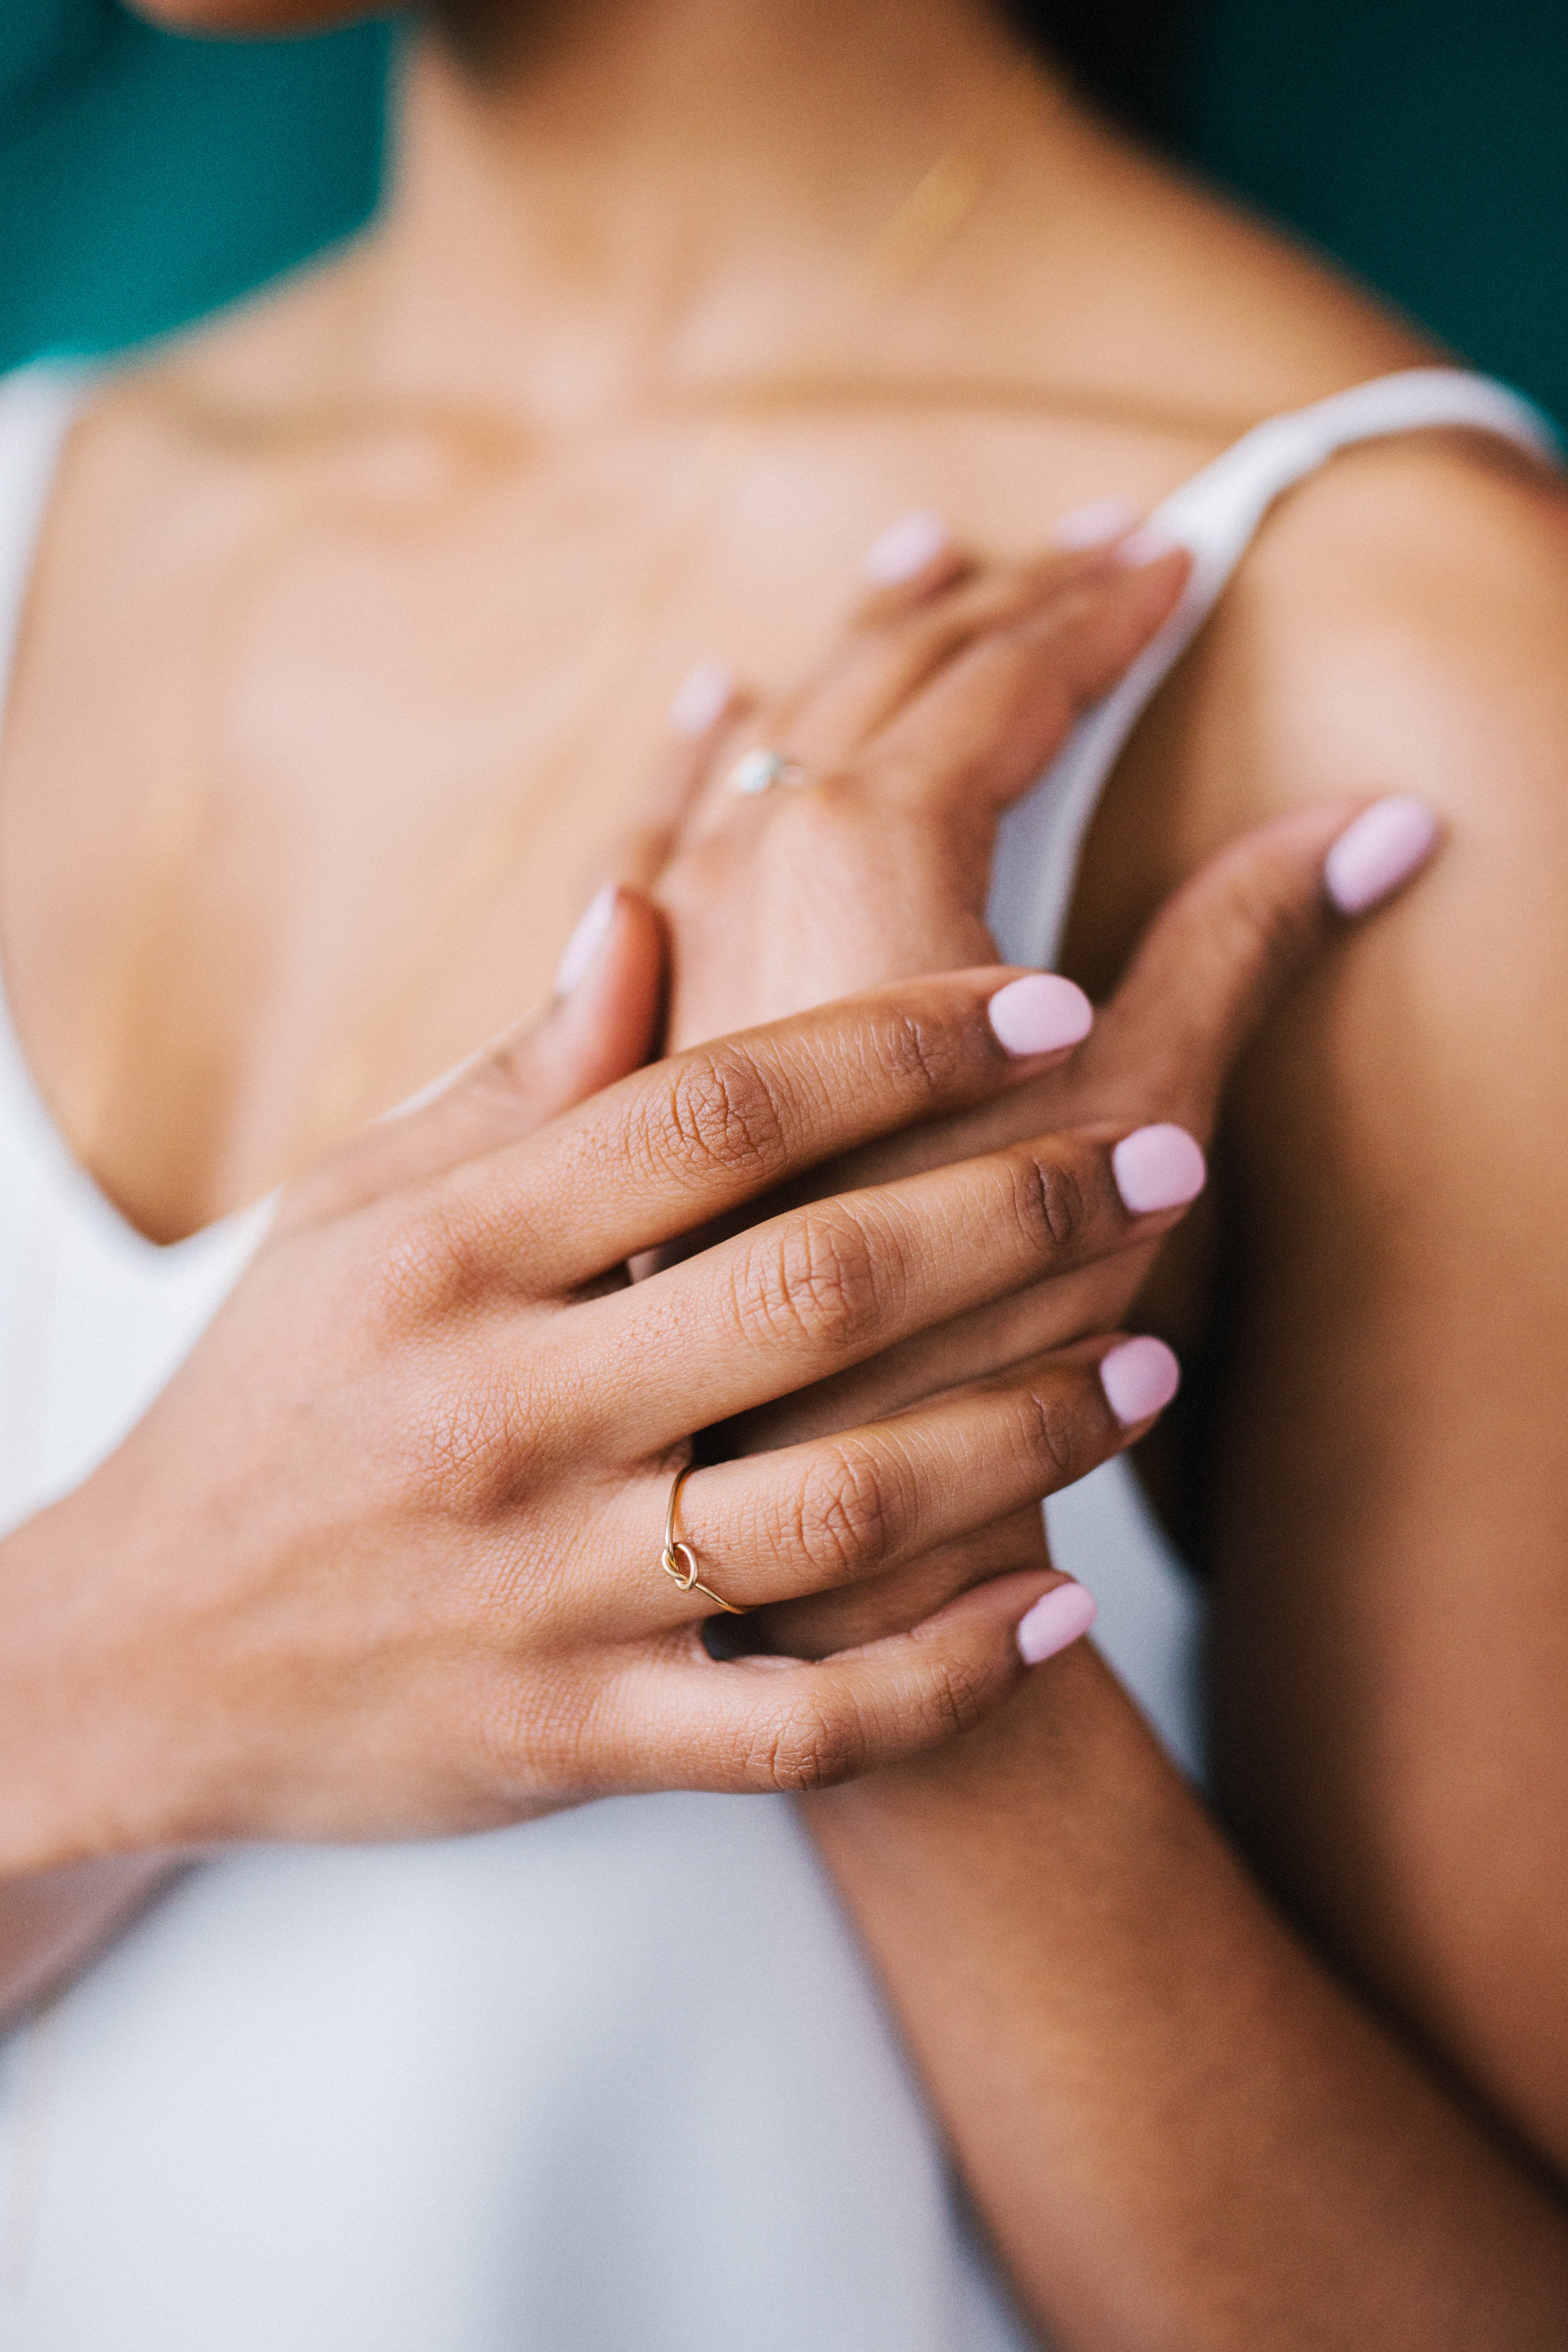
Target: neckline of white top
<point>1215,512</point>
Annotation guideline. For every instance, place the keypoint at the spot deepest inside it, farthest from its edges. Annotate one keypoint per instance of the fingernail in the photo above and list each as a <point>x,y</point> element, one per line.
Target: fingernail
<point>906,547</point>
<point>1383,847</point>
<point>1094,525</point>
<point>584,942</point>
<point>1147,546</point>
<point>1061,1616</point>
<point>703,695</point>
<point>1040,1014</point>
<point>1139,1377</point>
<point>1158,1167</point>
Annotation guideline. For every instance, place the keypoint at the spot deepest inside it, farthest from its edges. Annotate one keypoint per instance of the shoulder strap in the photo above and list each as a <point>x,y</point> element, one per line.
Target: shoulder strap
<point>38,406</point>
<point>1216,514</point>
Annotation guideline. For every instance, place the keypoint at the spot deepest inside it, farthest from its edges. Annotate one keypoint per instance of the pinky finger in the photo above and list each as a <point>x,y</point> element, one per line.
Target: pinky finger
<point>784,1725</point>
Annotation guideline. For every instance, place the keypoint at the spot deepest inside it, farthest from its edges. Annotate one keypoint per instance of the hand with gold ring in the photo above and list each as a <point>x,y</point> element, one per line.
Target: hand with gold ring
<point>950,691</point>
<point>1156,1058</point>
<point>384,1559</point>
<point>678,1560</point>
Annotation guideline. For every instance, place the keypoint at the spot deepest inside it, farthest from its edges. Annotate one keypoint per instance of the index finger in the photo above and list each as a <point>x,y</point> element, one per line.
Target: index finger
<point>1223,949</point>
<point>672,1148</point>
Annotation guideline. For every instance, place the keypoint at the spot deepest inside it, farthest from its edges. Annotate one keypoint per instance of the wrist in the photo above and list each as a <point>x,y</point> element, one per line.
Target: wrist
<point>1067,1746</point>
<point>78,1781</point>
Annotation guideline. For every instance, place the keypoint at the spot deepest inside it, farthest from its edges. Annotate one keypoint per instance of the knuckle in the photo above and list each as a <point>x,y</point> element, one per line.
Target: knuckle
<point>906,643</point>
<point>818,1276</point>
<point>468,1445</point>
<point>1054,1206</point>
<point>809,1746</point>
<point>719,1115</point>
<point>422,1265</point>
<point>921,1054</point>
<point>530,1733</point>
<point>1054,1436</point>
<point>957,1697</point>
<point>845,1517</point>
<point>1260,920</point>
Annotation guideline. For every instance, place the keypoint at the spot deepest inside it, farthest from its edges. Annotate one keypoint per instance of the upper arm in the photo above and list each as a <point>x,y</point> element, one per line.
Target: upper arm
<point>1382,1444</point>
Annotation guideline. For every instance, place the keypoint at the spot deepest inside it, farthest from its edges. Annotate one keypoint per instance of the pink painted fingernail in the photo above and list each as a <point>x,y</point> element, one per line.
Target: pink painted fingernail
<point>906,547</point>
<point>1147,546</point>
<point>585,941</point>
<point>1158,1167</point>
<point>1139,1377</point>
<point>1040,1014</point>
<point>1094,525</point>
<point>1058,1617</point>
<point>1379,851</point>
<point>703,695</point>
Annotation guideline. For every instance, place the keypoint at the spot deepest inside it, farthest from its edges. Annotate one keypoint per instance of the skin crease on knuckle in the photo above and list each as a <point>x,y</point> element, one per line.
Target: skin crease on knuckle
<point>824,1274</point>
<point>845,1727</point>
<point>720,1115</point>
<point>1051,1207</point>
<point>844,1521</point>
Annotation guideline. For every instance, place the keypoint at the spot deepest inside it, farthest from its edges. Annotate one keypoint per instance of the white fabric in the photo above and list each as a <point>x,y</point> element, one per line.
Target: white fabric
<point>612,2083</point>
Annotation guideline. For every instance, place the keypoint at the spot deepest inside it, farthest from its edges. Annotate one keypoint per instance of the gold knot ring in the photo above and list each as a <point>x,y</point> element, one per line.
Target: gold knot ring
<point>679,1562</point>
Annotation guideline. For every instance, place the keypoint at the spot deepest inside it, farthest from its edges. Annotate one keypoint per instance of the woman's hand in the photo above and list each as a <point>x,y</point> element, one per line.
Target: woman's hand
<point>949,695</point>
<point>1148,1078</point>
<point>947,698</point>
<point>384,1558</point>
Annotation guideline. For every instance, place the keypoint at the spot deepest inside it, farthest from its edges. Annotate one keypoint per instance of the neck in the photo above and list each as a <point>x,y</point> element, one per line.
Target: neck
<point>662,194</point>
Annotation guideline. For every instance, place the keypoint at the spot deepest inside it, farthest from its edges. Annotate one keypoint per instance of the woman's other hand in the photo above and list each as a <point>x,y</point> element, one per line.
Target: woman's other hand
<point>384,1558</point>
<point>1147,1076</point>
<point>951,693</point>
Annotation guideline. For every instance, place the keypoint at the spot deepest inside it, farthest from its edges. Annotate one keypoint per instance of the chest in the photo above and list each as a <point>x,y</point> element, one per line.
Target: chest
<point>315,749</point>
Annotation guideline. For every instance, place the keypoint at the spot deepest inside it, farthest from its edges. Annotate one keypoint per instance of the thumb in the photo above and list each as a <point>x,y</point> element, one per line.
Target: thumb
<point>604,1023</point>
<point>1223,949</point>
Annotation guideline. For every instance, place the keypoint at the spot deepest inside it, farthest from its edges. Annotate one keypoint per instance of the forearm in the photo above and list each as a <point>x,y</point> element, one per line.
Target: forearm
<point>1179,2128</point>
<point>53,1922</point>
<point>65,1891</point>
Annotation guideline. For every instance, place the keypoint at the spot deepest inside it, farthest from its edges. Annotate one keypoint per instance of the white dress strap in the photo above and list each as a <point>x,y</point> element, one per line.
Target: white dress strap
<point>1216,514</point>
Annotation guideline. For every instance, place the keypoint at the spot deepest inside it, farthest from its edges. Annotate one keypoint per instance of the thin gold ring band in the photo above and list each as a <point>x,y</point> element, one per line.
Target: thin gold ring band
<point>679,1562</point>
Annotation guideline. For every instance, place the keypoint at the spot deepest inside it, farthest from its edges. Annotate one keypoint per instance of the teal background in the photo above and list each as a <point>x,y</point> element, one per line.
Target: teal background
<point>145,178</point>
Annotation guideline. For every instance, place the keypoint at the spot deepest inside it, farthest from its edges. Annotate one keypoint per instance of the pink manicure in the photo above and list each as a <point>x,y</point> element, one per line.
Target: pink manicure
<point>703,695</point>
<point>1094,525</point>
<point>585,941</point>
<point>1061,1616</point>
<point>1040,1014</point>
<point>1379,851</point>
<point>1158,1167</point>
<point>906,547</point>
<point>1139,1377</point>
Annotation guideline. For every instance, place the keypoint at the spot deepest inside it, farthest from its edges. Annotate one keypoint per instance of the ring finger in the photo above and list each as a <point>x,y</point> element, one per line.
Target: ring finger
<point>838,1510</point>
<point>898,642</point>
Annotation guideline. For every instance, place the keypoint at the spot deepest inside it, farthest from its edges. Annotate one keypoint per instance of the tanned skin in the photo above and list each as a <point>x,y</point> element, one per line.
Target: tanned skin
<point>1185,2121</point>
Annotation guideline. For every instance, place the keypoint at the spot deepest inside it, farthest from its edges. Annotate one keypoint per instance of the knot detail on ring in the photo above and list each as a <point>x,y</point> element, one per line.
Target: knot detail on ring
<point>758,770</point>
<point>678,1560</point>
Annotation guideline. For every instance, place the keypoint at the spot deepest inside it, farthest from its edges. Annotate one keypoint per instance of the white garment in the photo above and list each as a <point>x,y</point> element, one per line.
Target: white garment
<point>617,2081</point>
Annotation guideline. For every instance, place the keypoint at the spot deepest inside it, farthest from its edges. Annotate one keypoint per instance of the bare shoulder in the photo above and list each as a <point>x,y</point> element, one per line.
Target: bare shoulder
<point>1401,621</point>
<point>1401,625</point>
<point>1139,277</point>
